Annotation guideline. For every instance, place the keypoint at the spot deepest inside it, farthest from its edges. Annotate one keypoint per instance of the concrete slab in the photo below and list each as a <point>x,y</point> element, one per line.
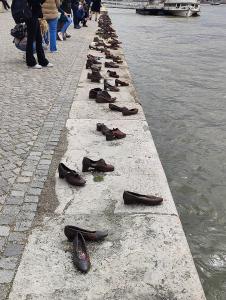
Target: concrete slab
<point>132,263</point>
<point>108,196</point>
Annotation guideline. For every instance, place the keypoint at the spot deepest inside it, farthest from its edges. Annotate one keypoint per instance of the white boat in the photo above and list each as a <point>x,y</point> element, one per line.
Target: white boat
<point>182,8</point>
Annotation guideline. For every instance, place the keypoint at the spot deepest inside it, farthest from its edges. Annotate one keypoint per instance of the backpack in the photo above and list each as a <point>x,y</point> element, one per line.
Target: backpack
<point>19,31</point>
<point>20,11</point>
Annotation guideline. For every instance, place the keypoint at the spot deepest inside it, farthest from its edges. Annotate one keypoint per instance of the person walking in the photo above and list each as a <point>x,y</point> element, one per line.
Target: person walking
<point>95,8</point>
<point>34,34</point>
<point>50,14</point>
<point>5,4</point>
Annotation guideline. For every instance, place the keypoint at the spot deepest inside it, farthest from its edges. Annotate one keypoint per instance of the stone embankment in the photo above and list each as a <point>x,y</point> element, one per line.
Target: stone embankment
<point>146,255</point>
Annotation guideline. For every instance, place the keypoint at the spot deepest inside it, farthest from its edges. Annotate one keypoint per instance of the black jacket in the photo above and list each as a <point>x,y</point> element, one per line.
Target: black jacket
<point>66,6</point>
<point>36,8</point>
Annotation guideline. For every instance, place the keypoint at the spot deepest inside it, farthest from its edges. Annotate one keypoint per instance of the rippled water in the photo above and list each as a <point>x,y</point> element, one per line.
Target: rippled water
<point>179,69</point>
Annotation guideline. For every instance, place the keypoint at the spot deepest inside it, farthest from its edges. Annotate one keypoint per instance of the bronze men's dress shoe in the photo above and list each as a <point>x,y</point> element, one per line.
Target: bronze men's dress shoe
<point>93,93</point>
<point>108,86</point>
<point>134,198</point>
<point>81,257</point>
<point>114,134</point>
<point>111,64</point>
<point>99,165</point>
<point>124,110</point>
<point>71,176</point>
<point>119,82</point>
<point>96,235</point>
<point>104,97</point>
<point>112,74</point>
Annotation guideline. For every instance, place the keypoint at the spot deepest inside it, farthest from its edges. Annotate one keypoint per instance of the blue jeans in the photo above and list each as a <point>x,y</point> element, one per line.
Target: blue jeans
<point>66,25</point>
<point>53,33</point>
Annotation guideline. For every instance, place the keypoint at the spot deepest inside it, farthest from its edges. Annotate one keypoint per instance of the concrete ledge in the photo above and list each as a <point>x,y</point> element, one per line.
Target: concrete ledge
<point>146,255</point>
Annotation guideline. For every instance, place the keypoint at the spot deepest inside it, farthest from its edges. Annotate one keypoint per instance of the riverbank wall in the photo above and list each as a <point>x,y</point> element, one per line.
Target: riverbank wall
<point>146,255</point>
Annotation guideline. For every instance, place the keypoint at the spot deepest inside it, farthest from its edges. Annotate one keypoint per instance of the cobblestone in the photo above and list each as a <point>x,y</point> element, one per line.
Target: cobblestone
<point>4,230</point>
<point>34,107</point>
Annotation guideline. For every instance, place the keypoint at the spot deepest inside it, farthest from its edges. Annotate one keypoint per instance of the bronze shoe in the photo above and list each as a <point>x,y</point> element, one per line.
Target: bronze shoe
<point>112,74</point>
<point>70,232</point>
<point>114,134</point>
<point>119,82</point>
<point>93,93</point>
<point>81,257</point>
<point>99,165</point>
<point>103,128</point>
<point>134,198</point>
<point>104,97</point>
<point>71,176</point>
<point>111,64</point>
<point>108,86</point>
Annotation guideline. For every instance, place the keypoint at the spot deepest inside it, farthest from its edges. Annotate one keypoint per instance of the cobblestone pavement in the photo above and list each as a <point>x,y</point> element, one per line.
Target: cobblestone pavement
<point>34,106</point>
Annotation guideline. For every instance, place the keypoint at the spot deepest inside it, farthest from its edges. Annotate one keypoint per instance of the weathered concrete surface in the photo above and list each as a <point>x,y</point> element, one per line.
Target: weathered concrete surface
<point>146,255</point>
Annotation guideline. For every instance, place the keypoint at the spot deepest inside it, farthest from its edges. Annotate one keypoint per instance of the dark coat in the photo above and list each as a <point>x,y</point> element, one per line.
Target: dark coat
<point>36,7</point>
<point>96,5</point>
<point>66,6</point>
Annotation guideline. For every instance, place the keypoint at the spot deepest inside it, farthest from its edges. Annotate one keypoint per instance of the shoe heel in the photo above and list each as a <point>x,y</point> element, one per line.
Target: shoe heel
<point>85,165</point>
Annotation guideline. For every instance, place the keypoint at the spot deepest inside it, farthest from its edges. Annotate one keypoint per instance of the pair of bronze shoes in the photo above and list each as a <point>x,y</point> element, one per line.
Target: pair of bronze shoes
<point>124,110</point>
<point>78,237</point>
<point>101,96</point>
<point>131,198</point>
<point>111,134</point>
<point>74,178</point>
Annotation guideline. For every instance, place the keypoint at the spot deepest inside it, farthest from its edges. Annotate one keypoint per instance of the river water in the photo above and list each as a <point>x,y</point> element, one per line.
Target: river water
<point>179,69</point>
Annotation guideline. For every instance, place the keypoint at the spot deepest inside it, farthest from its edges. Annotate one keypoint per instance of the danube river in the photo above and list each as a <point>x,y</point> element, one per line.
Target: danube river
<point>179,69</point>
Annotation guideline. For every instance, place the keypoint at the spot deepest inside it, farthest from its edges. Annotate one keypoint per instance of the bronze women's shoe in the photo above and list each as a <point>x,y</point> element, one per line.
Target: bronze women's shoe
<point>112,74</point>
<point>134,198</point>
<point>104,97</point>
<point>119,82</point>
<point>114,134</point>
<point>125,111</point>
<point>108,86</point>
<point>71,176</point>
<point>111,64</point>
<point>70,232</point>
<point>103,128</point>
<point>93,93</point>
<point>81,257</point>
<point>99,165</point>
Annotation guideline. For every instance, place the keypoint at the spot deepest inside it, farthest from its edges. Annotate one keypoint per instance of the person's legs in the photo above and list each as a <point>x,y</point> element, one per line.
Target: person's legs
<point>75,18</point>
<point>39,48</point>
<point>31,33</point>
<point>66,25</point>
<point>53,34</point>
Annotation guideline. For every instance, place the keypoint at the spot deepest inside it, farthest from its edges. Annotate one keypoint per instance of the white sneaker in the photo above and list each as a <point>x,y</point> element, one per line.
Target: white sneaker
<point>37,66</point>
<point>49,65</point>
<point>60,36</point>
